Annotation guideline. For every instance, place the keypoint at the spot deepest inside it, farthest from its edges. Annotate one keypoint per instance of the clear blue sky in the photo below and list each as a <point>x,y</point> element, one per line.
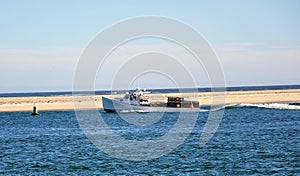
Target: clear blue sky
<point>48,34</point>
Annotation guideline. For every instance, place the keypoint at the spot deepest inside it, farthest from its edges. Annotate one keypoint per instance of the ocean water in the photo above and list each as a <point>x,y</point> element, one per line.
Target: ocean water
<point>169,90</point>
<point>251,140</point>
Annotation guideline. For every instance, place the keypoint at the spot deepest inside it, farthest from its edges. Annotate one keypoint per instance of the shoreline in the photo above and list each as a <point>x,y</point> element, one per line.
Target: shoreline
<point>48,103</point>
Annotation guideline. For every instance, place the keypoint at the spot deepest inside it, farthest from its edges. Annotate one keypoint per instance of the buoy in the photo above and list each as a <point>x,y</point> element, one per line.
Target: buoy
<point>178,105</point>
<point>191,106</point>
<point>35,111</point>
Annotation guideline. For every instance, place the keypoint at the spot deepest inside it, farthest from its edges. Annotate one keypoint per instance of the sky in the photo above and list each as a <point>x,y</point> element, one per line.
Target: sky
<point>257,42</point>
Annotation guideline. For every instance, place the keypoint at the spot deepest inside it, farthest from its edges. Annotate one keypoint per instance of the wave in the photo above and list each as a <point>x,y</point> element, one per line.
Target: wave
<point>284,106</point>
<point>288,106</point>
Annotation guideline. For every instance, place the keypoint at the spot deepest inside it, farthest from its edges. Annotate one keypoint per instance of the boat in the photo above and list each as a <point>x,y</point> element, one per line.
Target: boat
<point>136,102</point>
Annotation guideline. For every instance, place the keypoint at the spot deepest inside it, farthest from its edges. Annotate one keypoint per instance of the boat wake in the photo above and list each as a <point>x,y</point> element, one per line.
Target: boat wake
<point>287,106</point>
<point>283,106</point>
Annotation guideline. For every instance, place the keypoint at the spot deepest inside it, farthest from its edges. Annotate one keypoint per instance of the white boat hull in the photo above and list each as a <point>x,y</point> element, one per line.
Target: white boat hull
<point>112,105</point>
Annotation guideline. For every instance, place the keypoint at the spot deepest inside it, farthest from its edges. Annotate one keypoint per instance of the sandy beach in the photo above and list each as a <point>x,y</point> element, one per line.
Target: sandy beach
<point>11,104</point>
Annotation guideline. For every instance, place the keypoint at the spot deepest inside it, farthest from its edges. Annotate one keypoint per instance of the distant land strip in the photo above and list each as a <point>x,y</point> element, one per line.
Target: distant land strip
<point>57,103</point>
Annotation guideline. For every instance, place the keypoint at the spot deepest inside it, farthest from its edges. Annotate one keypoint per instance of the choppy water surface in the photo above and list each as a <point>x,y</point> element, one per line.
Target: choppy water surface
<point>250,140</point>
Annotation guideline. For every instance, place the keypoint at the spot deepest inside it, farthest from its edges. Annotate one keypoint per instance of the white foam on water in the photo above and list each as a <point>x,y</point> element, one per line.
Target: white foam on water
<point>273,106</point>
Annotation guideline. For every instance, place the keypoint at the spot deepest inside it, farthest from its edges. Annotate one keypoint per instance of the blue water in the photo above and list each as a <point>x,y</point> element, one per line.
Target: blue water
<point>249,141</point>
<point>169,90</point>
